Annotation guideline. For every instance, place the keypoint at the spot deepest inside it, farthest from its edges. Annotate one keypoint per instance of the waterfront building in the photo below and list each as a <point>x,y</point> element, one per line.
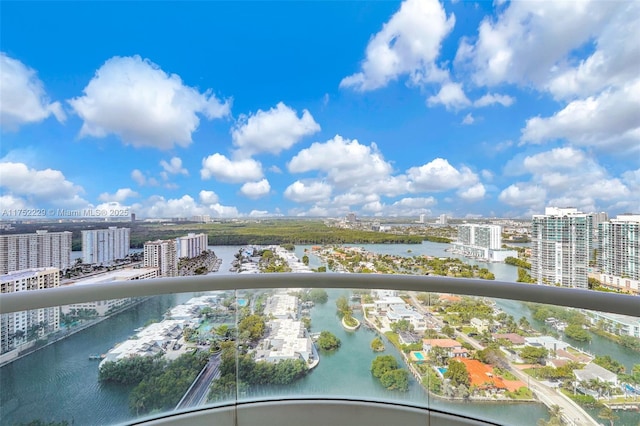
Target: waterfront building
<point>103,246</point>
<point>594,372</point>
<point>401,312</point>
<point>514,338</point>
<point>40,250</point>
<point>615,282</point>
<point>619,253</point>
<point>282,306</point>
<point>164,337</point>
<point>161,254</point>
<point>481,241</point>
<point>103,307</point>
<point>489,236</point>
<point>381,294</point>
<point>561,246</point>
<point>385,303</point>
<point>422,218</point>
<point>482,377</point>
<point>615,323</point>
<point>191,245</point>
<point>481,325</point>
<point>286,336</point>
<point>155,339</point>
<point>550,343</point>
<point>286,339</point>
<point>442,220</point>
<point>190,310</point>
<point>453,347</point>
<point>20,330</point>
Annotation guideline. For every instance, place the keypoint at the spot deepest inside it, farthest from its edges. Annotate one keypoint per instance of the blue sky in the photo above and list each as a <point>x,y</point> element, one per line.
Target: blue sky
<point>251,109</point>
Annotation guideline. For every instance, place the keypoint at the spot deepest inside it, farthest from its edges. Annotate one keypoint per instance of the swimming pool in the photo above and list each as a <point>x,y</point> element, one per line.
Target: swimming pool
<point>242,302</point>
<point>418,355</point>
<point>442,370</point>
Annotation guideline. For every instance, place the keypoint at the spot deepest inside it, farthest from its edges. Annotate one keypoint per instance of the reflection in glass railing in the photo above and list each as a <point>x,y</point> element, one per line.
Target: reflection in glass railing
<point>503,360</point>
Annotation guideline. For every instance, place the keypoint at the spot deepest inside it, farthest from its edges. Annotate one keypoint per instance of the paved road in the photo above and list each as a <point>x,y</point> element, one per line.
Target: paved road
<point>572,413</point>
<point>197,393</point>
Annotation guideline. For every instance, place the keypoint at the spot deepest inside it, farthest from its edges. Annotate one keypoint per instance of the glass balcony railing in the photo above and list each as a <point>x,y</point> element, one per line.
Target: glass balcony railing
<point>319,349</point>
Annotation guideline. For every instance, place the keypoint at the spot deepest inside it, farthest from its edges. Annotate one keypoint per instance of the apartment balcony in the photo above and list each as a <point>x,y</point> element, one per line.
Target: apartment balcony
<point>59,382</point>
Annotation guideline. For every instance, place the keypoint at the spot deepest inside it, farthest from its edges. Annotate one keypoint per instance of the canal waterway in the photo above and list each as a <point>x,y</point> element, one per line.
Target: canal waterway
<point>503,272</point>
<point>346,373</point>
<point>59,382</point>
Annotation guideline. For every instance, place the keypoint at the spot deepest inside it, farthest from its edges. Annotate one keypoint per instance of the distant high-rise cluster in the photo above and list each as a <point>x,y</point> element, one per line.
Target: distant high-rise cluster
<point>192,245</point>
<point>565,242</point>
<point>40,250</point>
<point>482,241</point>
<point>162,254</point>
<point>20,328</point>
<point>103,307</point>
<point>619,253</point>
<point>561,247</point>
<point>103,246</point>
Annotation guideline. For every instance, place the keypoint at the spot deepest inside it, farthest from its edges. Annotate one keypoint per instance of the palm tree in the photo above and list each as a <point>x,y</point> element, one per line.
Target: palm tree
<point>556,417</point>
<point>555,411</point>
<point>607,414</point>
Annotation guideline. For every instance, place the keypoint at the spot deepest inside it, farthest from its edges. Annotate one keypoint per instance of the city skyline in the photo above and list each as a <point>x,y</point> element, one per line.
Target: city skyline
<point>320,109</point>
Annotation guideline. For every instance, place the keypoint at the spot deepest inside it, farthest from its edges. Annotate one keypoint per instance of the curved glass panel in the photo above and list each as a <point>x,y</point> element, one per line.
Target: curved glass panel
<point>510,362</point>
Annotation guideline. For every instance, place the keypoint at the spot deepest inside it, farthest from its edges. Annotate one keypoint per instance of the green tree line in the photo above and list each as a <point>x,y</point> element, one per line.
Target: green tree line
<point>252,373</point>
<point>386,369</point>
<point>159,384</point>
<point>517,262</point>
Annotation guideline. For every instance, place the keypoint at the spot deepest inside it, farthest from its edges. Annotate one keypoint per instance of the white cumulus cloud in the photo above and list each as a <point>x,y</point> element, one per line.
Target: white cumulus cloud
<point>408,44</point>
<point>40,188</point>
<point>258,213</point>
<point>272,131</point>
<point>567,176</point>
<point>473,193</point>
<point>138,177</point>
<point>451,96</point>
<point>185,206</point>
<point>345,162</point>
<point>308,192</point>
<point>119,196</point>
<point>208,197</point>
<point>608,121</point>
<point>468,119</point>
<point>174,166</point>
<point>143,180</point>
<point>144,106</point>
<point>566,158</point>
<point>530,41</point>
<point>223,169</point>
<point>256,190</point>
<point>491,99</point>
<point>613,62</point>
<point>24,99</point>
<point>524,196</point>
<point>439,175</point>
